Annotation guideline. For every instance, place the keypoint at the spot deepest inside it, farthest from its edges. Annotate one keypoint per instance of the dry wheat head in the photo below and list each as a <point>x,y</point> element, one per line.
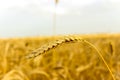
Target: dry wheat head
<point>52,45</point>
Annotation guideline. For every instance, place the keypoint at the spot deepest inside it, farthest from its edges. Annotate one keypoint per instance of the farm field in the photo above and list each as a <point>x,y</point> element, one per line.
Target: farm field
<point>71,60</point>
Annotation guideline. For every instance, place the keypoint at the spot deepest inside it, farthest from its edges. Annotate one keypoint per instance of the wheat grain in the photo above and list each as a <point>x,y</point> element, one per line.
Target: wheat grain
<point>52,45</point>
<point>66,39</point>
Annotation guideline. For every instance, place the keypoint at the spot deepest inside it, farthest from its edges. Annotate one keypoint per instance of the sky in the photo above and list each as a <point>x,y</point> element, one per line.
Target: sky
<point>35,17</point>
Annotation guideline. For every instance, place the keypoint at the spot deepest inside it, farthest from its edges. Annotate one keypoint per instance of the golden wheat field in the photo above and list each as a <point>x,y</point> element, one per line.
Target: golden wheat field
<point>89,57</point>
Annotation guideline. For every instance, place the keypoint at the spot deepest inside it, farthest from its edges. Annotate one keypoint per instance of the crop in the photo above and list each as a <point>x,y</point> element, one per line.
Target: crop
<point>46,48</point>
<point>80,57</point>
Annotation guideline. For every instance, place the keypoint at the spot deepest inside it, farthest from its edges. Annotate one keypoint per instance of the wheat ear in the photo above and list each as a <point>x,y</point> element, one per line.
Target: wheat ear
<point>67,39</point>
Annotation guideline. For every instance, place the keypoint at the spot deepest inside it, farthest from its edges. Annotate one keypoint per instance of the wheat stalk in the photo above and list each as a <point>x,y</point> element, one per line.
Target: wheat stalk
<point>66,39</point>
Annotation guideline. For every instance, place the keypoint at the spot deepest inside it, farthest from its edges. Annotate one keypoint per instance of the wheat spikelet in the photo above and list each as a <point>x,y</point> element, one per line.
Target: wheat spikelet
<point>52,45</point>
<point>66,39</point>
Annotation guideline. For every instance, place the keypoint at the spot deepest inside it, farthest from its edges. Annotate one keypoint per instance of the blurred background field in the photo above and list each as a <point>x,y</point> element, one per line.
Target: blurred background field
<point>73,61</point>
